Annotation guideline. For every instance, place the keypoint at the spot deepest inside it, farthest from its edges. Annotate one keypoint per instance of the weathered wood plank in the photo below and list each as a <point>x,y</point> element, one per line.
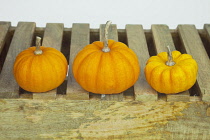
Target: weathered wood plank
<point>80,37</point>
<point>162,38</point>
<point>4,28</point>
<point>112,34</point>
<point>21,40</point>
<point>53,36</point>
<point>194,46</point>
<point>68,119</point>
<point>137,42</point>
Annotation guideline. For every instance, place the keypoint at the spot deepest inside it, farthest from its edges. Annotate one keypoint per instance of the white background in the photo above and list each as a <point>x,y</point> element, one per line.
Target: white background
<point>96,12</point>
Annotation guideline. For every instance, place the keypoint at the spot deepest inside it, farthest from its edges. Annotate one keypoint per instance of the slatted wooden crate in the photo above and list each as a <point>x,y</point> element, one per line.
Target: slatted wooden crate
<point>69,112</point>
<point>72,38</point>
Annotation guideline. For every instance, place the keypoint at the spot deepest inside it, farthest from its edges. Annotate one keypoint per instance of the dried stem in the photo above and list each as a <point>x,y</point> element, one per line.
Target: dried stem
<point>38,51</point>
<point>170,61</point>
<point>106,48</point>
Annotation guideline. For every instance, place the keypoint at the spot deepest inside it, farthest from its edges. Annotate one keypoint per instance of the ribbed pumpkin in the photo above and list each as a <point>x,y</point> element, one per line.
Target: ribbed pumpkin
<point>106,67</point>
<point>171,72</point>
<point>40,69</point>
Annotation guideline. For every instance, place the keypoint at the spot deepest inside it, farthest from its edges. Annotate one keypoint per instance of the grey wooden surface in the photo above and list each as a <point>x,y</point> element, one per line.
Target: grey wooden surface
<point>137,42</point>
<point>80,37</point>
<point>194,46</point>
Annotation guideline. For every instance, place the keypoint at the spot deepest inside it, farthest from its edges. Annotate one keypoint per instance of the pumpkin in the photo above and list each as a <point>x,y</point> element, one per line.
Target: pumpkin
<point>171,72</point>
<point>108,67</point>
<point>40,69</point>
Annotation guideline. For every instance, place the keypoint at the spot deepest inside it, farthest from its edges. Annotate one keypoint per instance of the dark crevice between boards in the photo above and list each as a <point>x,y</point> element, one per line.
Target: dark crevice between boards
<point>39,31</point>
<point>94,35</point>
<point>6,44</point>
<point>195,89</point>
<point>150,42</point>
<point>65,49</point>
<point>122,36</point>
<point>128,95</point>
<point>205,38</point>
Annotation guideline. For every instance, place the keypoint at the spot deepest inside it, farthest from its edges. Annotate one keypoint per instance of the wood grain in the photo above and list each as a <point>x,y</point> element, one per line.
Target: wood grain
<point>137,42</point>
<point>53,36</point>
<point>80,37</point>
<point>162,38</point>
<point>208,112</point>
<point>21,40</point>
<point>112,34</point>
<point>194,46</point>
<point>68,119</point>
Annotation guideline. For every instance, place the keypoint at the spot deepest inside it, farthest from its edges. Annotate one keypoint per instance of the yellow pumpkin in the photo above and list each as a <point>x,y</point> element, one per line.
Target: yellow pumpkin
<point>106,72</point>
<point>40,69</point>
<point>171,73</point>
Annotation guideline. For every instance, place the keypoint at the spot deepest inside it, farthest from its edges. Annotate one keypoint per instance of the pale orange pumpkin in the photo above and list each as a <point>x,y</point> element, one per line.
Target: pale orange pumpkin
<point>171,72</point>
<point>40,69</point>
<point>106,68</point>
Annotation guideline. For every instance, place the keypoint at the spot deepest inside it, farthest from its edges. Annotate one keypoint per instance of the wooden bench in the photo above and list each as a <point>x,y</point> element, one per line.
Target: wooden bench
<point>141,98</point>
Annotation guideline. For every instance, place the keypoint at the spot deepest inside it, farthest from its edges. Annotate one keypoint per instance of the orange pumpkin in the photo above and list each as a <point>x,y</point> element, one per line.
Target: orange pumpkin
<point>106,67</point>
<point>40,69</point>
<point>171,73</point>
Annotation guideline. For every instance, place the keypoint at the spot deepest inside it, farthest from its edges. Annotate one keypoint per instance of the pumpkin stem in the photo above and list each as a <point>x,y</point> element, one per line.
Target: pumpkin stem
<point>170,61</point>
<point>106,48</point>
<point>38,51</point>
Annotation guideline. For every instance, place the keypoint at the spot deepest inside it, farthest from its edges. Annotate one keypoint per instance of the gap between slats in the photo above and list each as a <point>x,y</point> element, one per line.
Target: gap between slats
<point>5,46</point>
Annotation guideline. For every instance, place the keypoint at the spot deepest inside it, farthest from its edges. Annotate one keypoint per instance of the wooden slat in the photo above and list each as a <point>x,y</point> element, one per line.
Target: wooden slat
<point>21,40</point>
<point>80,37</point>
<point>53,36</point>
<point>112,34</point>
<point>162,38</point>
<point>137,42</point>
<point>4,28</point>
<point>194,46</point>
